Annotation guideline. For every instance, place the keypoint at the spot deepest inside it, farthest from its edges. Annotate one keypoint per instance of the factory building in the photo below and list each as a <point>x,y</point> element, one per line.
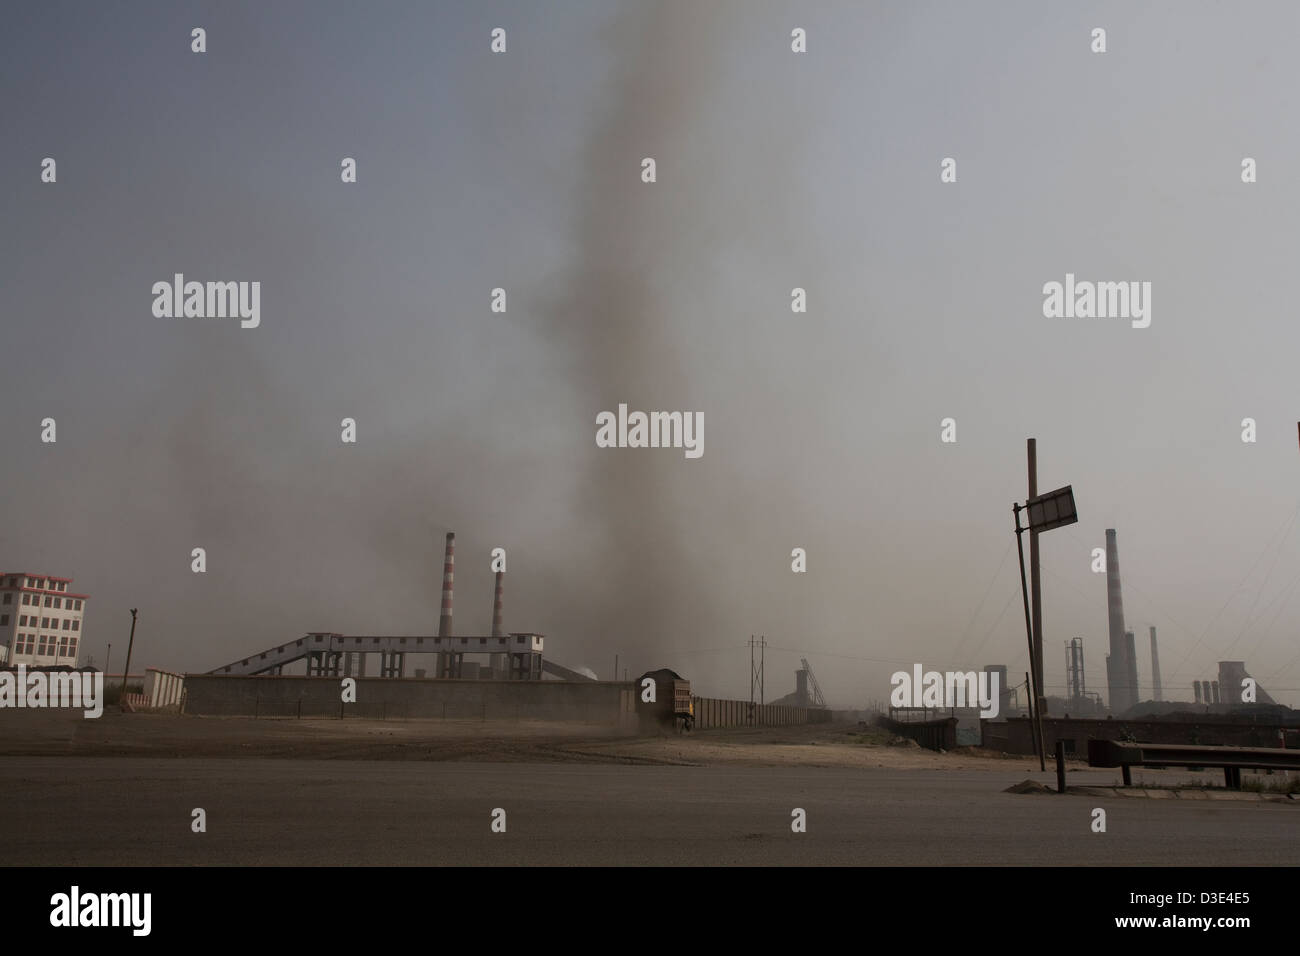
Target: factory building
<point>40,620</point>
<point>501,655</point>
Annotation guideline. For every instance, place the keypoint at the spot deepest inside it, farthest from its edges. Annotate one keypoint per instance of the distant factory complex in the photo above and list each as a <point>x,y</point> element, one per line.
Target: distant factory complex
<point>501,675</point>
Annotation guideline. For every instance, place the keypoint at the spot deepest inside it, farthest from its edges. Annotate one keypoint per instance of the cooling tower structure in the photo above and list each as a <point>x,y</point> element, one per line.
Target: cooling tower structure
<point>1233,684</point>
<point>1121,668</point>
<point>1004,691</point>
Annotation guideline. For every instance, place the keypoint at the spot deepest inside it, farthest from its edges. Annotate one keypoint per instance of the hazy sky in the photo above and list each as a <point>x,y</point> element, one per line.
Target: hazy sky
<point>775,170</point>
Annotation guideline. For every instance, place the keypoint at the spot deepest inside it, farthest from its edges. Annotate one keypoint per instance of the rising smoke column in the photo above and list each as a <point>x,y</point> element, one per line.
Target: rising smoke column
<point>646,589</point>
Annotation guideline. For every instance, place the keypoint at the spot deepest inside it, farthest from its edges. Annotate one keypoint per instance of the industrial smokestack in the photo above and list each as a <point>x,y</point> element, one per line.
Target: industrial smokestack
<point>1155,666</point>
<point>1117,670</point>
<point>448,569</point>
<point>498,628</point>
<point>1196,687</point>
<point>1214,689</point>
<point>1131,659</point>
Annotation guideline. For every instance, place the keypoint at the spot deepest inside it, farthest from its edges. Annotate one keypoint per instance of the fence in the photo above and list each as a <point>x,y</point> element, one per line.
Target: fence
<point>716,712</point>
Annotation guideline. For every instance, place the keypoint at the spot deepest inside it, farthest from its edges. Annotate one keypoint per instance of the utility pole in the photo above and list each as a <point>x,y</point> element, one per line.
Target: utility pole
<point>1052,510</point>
<point>1035,713</point>
<point>1036,589</point>
<point>751,675</point>
<point>121,701</point>
<point>756,674</point>
<point>108,657</point>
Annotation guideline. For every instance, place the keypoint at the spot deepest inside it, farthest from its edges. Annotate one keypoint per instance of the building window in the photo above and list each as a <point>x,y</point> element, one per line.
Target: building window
<point>76,625</point>
<point>4,619</point>
<point>58,602</point>
<point>72,647</point>
<point>9,597</point>
<point>48,599</point>
<point>67,624</point>
<point>41,647</point>
<point>45,622</point>
<point>78,604</point>
<point>22,621</point>
<point>27,599</point>
<point>13,582</point>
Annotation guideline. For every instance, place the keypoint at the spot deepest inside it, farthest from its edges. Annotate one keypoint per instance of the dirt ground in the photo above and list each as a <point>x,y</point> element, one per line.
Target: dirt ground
<point>54,733</point>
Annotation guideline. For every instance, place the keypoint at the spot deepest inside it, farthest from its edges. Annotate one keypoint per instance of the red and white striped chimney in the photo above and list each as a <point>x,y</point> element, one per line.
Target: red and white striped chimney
<point>448,573</point>
<point>498,628</point>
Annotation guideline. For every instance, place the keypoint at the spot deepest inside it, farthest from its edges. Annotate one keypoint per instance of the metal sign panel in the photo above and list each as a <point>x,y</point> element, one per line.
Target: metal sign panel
<point>1052,510</point>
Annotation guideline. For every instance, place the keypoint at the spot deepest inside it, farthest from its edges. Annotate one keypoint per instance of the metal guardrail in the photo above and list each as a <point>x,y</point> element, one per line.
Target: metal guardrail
<point>1233,760</point>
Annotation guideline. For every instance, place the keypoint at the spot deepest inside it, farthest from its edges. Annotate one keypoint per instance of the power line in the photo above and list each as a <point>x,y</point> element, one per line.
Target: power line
<point>965,634</point>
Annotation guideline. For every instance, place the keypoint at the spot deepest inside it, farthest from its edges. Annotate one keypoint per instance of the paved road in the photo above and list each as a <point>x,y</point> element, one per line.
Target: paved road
<point>68,811</point>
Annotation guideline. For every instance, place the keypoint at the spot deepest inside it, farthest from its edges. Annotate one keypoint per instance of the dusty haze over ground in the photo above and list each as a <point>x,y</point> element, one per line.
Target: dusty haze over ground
<point>775,170</point>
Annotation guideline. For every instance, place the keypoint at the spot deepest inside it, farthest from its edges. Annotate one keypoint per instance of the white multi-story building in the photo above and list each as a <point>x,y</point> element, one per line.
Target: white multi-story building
<point>40,619</point>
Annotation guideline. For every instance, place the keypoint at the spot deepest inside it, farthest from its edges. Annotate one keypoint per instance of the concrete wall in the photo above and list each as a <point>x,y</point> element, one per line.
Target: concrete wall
<point>213,695</point>
<point>1016,736</point>
<point>162,688</point>
<point>715,712</point>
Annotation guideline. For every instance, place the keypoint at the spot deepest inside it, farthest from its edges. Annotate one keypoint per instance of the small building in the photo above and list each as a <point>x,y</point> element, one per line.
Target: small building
<point>40,620</point>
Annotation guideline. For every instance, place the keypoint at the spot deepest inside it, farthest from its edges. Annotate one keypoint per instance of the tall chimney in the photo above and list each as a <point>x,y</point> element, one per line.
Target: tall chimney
<point>1131,658</point>
<point>1214,689</point>
<point>448,569</point>
<point>1155,666</point>
<point>1118,670</point>
<point>498,628</point>
<point>1196,687</point>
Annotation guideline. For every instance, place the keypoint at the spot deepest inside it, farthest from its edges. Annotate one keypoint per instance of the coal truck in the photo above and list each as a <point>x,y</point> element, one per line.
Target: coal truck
<point>673,708</point>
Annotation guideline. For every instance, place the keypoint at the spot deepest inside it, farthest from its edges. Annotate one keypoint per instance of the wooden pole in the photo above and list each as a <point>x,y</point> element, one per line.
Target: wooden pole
<point>121,701</point>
